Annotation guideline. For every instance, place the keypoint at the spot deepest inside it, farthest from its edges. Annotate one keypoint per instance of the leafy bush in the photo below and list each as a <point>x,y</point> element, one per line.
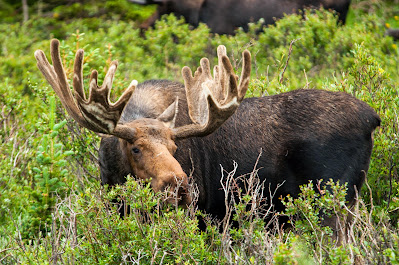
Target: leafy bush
<point>367,80</point>
<point>357,240</point>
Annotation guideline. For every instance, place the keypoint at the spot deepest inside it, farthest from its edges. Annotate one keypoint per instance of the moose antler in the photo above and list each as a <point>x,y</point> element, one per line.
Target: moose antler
<point>97,113</point>
<point>211,101</point>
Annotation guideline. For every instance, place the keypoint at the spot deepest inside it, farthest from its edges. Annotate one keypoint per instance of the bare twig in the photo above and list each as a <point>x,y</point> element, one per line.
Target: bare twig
<point>288,59</point>
<point>307,81</point>
<point>392,166</point>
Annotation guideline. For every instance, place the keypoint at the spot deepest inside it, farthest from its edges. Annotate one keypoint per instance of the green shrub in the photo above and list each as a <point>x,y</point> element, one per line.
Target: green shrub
<point>367,80</point>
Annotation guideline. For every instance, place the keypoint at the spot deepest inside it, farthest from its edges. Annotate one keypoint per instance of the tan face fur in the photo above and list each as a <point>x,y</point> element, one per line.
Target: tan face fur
<point>150,155</point>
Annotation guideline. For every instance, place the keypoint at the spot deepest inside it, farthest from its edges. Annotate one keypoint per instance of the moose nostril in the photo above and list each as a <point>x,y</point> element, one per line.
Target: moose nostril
<point>184,195</point>
<point>182,189</point>
<point>179,187</point>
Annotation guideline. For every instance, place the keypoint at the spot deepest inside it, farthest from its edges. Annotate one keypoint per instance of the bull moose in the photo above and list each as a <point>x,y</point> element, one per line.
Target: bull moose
<point>163,130</point>
<point>224,16</point>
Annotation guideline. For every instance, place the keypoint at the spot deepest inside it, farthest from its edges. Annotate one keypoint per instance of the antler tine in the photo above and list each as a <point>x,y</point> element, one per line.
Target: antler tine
<point>245,75</point>
<point>78,74</point>
<point>222,76</point>
<point>211,101</point>
<point>55,75</point>
<point>97,113</point>
<point>98,110</point>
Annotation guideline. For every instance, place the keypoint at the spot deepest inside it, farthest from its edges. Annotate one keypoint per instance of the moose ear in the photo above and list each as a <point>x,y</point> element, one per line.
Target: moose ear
<point>168,117</point>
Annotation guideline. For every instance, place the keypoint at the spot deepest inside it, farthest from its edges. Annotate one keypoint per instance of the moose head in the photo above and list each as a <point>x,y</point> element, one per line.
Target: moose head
<point>150,143</point>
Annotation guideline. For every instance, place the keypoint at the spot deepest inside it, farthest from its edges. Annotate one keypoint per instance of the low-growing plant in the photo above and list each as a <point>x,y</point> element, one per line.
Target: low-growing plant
<point>316,207</point>
<point>50,173</point>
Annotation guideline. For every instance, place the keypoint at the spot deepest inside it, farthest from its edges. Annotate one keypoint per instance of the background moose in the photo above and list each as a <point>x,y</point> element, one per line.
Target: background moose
<point>224,16</point>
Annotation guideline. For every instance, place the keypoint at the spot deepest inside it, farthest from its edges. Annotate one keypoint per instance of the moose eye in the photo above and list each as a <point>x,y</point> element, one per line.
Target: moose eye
<point>135,150</point>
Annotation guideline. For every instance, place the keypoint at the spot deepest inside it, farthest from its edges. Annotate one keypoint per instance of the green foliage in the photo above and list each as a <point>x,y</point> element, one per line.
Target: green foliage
<point>292,252</point>
<point>10,11</point>
<point>317,204</point>
<point>153,232</point>
<point>169,43</point>
<point>352,239</point>
<point>367,80</point>
<point>49,176</point>
<point>52,209</point>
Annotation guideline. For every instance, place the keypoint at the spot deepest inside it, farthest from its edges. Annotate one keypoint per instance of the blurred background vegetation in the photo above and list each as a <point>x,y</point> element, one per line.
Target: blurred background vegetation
<point>52,207</point>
